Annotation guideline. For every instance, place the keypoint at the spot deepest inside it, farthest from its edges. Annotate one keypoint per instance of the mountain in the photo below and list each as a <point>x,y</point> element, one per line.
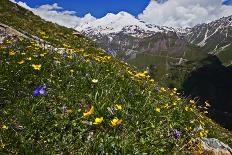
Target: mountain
<point>126,31</point>
<point>61,94</point>
<point>215,37</point>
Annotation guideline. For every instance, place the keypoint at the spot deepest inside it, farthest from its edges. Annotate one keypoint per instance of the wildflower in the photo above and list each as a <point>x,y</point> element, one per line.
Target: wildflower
<point>12,53</point>
<point>40,90</point>
<point>152,80</point>
<point>86,114</point>
<point>21,62</point>
<point>36,67</point>
<point>175,89</point>
<point>42,55</point>
<point>163,89</point>
<point>65,108</point>
<point>72,71</point>
<point>29,58</point>
<point>186,108</point>
<point>119,107</point>
<point>174,103</point>
<point>157,109</point>
<point>116,121</point>
<point>95,81</point>
<point>207,104</point>
<point>192,101</point>
<point>201,134</point>
<point>176,133</point>
<point>23,53</point>
<point>5,127</point>
<point>98,121</point>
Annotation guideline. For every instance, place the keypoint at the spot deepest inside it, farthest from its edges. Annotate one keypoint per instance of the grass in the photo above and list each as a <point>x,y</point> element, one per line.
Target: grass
<point>93,103</point>
<point>77,80</point>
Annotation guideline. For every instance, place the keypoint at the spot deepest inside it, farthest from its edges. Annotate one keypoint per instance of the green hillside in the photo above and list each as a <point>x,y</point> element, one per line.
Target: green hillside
<point>79,100</point>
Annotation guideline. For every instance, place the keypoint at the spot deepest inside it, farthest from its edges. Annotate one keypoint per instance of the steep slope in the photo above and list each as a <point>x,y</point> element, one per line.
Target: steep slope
<point>214,37</point>
<point>79,100</point>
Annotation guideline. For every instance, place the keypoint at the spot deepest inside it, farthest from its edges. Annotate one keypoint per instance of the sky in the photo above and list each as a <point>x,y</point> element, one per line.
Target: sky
<point>97,8</point>
<point>174,13</point>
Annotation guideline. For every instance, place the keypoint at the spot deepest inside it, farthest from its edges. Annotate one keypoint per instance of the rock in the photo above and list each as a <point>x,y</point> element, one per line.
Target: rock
<point>213,146</point>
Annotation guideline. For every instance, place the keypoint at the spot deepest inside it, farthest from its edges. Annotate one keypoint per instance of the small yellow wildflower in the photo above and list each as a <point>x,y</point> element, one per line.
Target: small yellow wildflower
<point>36,67</point>
<point>157,109</point>
<point>192,101</point>
<point>29,58</point>
<point>23,53</point>
<point>71,70</point>
<point>163,89</point>
<point>86,114</point>
<point>98,121</point>
<point>42,55</point>
<point>116,121</point>
<point>201,134</point>
<point>21,62</point>
<point>174,103</point>
<point>152,80</point>
<point>207,104</point>
<point>186,108</point>
<point>5,127</point>
<point>95,81</point>
<point>175,89</point>
<point>12,53</point>
<point>119,107</point>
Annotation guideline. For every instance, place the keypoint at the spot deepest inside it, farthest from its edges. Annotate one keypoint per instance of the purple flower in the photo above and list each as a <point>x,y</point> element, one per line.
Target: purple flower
<point>176,133</point>
<point>40,90</point>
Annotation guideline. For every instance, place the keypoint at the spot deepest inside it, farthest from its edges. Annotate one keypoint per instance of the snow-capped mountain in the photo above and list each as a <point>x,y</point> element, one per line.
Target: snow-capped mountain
<point>215,37</point>
<point>121,22</point>
<point>125,33</point>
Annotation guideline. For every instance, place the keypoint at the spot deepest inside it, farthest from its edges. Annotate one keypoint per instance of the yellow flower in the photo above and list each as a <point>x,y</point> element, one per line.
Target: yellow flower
<point>71,70</point>
<point>5,127</point>
<point>86,114</point>
<point>163,89</point>
<point>157,109</point>
<point>42,55</point>
<point>21,62</point>
<point>174,103</point>
<point>192,101</point>
<point>175,89</point>
<point>36,67</point>
<point>23,53</point>
<point>186,108</point>
<point>95,81</point>
<point>12,53</point>
<point>98,121</point>
<point>116,121</point>
<point>29,58</point>
<point>152,80</point>
<point>207,104</point>
<point>201,134</point>
<point>119,107</point>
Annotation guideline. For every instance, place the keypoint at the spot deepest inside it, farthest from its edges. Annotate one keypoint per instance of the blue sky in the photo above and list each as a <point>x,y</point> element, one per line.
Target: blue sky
<point>98,8</point>
<point>188,14</point>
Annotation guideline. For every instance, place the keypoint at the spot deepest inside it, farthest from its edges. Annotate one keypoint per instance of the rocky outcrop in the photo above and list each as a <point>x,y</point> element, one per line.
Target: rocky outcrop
<point>213,146</point>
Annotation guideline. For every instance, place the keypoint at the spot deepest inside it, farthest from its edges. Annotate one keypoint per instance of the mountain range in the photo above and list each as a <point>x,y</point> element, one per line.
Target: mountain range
<point>124,35</point>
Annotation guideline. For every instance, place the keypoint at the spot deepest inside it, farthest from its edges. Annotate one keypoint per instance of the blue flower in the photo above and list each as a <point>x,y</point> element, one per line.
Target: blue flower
<point>176,133</point>
<point>40,90</point>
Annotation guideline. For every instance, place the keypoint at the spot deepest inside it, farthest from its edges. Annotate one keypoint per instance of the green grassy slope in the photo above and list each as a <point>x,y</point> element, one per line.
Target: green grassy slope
<point>83,86</point>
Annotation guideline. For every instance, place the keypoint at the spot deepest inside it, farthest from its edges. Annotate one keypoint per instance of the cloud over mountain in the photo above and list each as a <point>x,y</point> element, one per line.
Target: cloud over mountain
<point>175,13</point>
<point>184,13</point>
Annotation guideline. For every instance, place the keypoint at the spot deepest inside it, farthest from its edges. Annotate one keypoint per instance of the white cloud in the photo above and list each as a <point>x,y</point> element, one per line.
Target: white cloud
<point>184,13</point>
<point>56,14</point>
<point>175,13</point>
